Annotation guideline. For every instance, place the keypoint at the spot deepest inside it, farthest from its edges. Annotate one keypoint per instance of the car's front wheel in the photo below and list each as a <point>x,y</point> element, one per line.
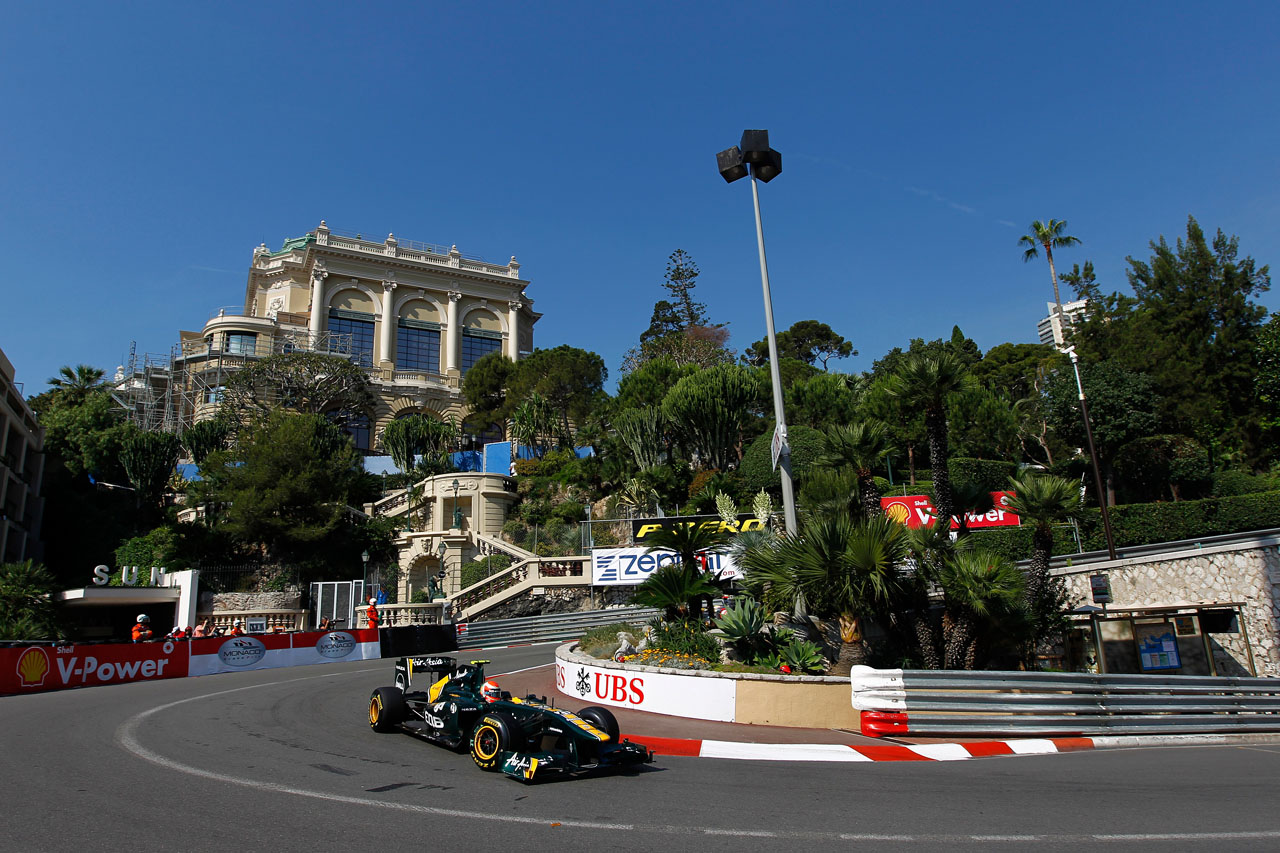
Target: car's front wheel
<point>386,709</point>
<point>497,732</point>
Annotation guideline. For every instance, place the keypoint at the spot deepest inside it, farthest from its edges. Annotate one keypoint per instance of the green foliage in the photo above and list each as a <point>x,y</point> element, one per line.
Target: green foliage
<point>1122,407</point>
<point>303,382</point>
<point>684,637</point>
<point>84,433</point>
<point>802,656</point>
<point>643,431</point>
<point>285,489</point>
<point>807,341</point>
<point>477,570</point>
<point>823,400</point>
<point>419,444</point>
<point>710,410</point>
<point>1231,483</point>
<point>26,602</point>
<point>205,437</point>
<point>484,387</point>
<point>569,379</point>
<point>649,383</point>
<point>159,547</point>
<point>757,465</point>
<point>987,474</point>
<point>1161,466</point>
<point>148,458</point>
<point>674,588</point>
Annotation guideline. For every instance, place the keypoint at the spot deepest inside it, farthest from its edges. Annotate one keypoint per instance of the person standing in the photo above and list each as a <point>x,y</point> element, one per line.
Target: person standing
<point>372,613</point>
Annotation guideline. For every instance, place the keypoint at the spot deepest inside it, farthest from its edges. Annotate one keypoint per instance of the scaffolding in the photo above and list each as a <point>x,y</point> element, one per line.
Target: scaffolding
<point>170,392</point>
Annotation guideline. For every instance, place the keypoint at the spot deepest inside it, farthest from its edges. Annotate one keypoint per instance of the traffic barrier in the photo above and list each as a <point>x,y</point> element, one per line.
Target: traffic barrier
<point>410,640</point>
<point>1022,704</point>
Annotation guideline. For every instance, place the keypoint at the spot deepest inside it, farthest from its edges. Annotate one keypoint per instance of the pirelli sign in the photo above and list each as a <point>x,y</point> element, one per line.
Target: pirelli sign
<point>643,527</point>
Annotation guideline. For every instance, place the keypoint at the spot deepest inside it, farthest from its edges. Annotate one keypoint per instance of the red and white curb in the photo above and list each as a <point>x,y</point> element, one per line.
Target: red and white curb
<point>850,753</point>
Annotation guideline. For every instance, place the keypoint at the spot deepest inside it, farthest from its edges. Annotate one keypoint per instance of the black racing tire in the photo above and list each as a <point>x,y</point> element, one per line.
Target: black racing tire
<point>387,709</point>
<point>602,719</point>
<point>495,733</point>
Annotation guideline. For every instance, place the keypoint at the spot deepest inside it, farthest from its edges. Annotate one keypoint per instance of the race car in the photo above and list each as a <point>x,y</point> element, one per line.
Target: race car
<point>527,738</point>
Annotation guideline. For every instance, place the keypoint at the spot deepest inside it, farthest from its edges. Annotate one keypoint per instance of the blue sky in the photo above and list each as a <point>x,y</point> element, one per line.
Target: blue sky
<point>147,148</point>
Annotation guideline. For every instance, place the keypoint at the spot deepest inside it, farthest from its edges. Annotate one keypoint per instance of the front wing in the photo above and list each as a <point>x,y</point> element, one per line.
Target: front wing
<point>531,766</point>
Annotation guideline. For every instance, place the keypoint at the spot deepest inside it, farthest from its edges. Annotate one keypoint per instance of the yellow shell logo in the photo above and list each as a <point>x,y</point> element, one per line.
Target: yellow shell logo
<point>898,513</point>
<point>33,666</point>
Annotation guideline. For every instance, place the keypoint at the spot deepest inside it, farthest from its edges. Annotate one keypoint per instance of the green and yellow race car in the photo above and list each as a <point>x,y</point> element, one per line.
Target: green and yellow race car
<point>527,739</point>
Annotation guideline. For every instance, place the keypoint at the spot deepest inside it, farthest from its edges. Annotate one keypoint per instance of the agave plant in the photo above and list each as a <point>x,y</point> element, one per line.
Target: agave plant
<point>802,656</point>
<point>743,624</point>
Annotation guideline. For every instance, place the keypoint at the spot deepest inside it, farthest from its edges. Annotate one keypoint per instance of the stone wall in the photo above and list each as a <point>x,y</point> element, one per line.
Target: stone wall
<point>214,602</point>
<point>1244,573</point>
<point>569,599</point>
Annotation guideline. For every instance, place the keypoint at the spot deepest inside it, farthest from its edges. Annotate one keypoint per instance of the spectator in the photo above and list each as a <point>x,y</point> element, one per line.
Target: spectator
<point>237,628</point>
<point>204,629</point>
<point>372,613</point>
<point>178,633</point>
<point>142,629</point>
<point>325,624</point>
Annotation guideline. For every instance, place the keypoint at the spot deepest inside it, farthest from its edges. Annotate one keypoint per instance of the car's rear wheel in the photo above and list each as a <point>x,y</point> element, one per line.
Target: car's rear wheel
<point>497,732</point>
<point>386,709</point>
<point>602,719</point>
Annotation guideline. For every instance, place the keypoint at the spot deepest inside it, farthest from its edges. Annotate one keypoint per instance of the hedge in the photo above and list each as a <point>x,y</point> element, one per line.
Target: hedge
<point>991,475</point>
<point>1145,524</point>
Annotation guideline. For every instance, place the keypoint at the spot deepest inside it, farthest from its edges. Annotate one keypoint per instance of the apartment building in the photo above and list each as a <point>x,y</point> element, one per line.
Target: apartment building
<point>21,472</point>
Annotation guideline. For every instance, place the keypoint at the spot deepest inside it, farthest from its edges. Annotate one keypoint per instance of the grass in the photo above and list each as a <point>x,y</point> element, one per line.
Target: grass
<point>602,642</point>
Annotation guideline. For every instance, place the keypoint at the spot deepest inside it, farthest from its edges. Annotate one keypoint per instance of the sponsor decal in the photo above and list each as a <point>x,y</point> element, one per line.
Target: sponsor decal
<point>33,666</point>
<point>241,651</point>
<point>335,645</point>
<point>917,511</point>
<point>584,682</point>
<point>621,566</point>
<point>642,527</point>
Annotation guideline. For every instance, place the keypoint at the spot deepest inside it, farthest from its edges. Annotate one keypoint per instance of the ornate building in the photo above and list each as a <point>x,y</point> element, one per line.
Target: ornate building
<point>416,316</point>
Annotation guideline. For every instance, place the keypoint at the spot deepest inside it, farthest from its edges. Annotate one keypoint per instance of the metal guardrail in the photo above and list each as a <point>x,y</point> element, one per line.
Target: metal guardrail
<point>1270,536</point>
<point>560,626</point>
<point>944,702</point>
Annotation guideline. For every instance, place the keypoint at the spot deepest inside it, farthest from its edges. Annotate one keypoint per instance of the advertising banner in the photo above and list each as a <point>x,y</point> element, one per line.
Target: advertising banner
<point>685,696</point>
<point>335,646</point>
<point>38,668</point>
<point>623,566</point>
<point>917,511</point>
<point>642,527</point>
<point>238,654</point>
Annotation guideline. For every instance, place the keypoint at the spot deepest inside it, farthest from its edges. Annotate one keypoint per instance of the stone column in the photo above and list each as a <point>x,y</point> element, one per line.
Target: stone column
<point>513,325</point>
<point>453,350</point>
<point>388,320</point>
<point>318,275</point>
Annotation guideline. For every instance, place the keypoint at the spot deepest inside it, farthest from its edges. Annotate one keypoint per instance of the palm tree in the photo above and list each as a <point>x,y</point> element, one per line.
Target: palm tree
<point>860,446</point>
<point>841,566</point>
<point>1043,500</point>
<point>970,497</point>
<point>1050,236</point>
<point>976,585</point>
<point>673,589</point>
<point>76,382</point>
<point>689,540</point>
<point>924,383</point>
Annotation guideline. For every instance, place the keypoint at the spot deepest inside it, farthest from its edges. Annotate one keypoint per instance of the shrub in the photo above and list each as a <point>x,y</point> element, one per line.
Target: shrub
<point>669,659</point>
<point>685,637</point>
<point>757,463</point>
<point>991,475</point>
<point>802,656</point>
<point>478,570</point>
<point>1233,483</point>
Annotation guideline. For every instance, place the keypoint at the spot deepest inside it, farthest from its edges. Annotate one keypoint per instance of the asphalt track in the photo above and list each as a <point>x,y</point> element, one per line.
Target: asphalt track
<point>282,760</point>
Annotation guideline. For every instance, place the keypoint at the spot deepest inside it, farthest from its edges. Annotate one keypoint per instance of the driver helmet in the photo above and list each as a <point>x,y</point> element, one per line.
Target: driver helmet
<point>142,617</point>
<point>490,691</point>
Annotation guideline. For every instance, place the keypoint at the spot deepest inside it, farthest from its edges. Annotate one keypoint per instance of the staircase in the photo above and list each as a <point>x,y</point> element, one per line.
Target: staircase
<point>540,629</point>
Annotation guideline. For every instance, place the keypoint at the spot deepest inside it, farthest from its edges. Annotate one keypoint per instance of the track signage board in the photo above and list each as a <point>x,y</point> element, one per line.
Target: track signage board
<point>624,566</point>
<point>917,511</point>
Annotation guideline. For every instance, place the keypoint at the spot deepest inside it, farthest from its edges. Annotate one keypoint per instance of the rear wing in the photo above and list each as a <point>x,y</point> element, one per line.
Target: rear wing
<point>435,668</point>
